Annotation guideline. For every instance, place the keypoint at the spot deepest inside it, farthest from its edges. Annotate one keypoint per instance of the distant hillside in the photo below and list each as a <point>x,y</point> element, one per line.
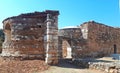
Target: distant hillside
<point>1,38</point>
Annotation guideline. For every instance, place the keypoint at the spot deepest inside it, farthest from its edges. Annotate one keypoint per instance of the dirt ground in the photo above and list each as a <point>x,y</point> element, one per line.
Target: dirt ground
<point>26,66</point>
<point>65,67</point>
<point>55,69</point>
<point>38,66</point>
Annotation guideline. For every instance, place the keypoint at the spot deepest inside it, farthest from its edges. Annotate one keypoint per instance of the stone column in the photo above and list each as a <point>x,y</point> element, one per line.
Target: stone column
<point>51,41</point>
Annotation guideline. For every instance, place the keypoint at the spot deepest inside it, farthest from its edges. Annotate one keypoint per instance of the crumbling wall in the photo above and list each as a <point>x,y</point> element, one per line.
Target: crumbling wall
<point>92,39</point>
<point>24,37</point>
<point>102,38</point>
<point>77,43</point>
<point>99,40</point>
<point>32,35</point>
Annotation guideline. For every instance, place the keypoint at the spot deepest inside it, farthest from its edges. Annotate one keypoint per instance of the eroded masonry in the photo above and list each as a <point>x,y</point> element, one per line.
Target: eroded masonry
<point>89,40</point>
<point>36,36</point>
<point>32,35</point>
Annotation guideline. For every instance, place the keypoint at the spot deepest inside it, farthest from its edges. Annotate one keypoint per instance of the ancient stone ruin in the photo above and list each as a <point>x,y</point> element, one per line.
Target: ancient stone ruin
<point>35,36</point>
<point>32,36</point>
<point>89,40</point>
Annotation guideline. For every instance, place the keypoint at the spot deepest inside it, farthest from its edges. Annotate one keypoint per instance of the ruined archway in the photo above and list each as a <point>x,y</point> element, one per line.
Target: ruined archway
<point>7,31</point>
<point>7,41</point>
<point>32,36</point>
<point>66,49</point>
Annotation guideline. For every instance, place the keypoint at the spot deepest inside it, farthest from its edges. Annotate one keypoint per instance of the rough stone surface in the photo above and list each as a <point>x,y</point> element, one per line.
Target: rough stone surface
<point>90,39</point>
<point>102,38</point>
<point>32,36</point>
<point>35,35</point>
<point>112,67</point>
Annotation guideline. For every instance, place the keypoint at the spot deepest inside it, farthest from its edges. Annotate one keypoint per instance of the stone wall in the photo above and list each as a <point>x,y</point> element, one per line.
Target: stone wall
<point>73,37</point>
<point>109,67</point>
<point>35,35</point>
<point>102,39</point>
<point>32,35</point>
<point>91,39</point>
<point>24,36</point>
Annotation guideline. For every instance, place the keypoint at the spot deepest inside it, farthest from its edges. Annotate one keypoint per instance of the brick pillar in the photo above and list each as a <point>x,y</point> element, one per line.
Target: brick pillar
<point>51,41</point>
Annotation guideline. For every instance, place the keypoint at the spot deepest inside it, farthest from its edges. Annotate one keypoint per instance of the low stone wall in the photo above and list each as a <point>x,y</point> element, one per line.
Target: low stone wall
<point>102,65</point>
<point>111,67</point>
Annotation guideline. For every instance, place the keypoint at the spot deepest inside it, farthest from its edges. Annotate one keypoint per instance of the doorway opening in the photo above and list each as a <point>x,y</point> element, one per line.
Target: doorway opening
<point>66,50</point>
<point>7,32</point>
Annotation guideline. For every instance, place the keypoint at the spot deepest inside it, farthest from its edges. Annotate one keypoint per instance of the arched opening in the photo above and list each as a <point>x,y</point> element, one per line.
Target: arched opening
<point>66,49</point>
<point>7,27</point>
<point>7,32</point>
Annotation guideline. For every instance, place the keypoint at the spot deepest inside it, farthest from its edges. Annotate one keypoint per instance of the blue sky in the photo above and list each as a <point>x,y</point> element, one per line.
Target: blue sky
<point>72,12</point>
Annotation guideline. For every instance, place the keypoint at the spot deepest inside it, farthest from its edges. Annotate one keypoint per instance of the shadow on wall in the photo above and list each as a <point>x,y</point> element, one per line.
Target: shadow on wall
<point>1,39</point>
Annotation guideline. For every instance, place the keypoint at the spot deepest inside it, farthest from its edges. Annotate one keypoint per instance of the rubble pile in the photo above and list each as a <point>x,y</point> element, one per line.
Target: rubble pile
<point>109,67</point>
